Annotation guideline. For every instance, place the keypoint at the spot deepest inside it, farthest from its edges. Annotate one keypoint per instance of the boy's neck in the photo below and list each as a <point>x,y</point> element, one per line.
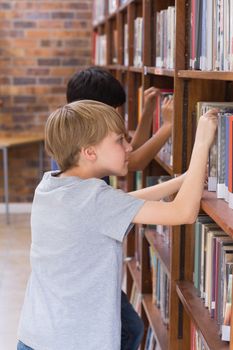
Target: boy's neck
<point>81,173</point>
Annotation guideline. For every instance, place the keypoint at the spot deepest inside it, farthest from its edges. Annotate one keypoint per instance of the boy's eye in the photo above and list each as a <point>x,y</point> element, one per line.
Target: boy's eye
<point>121,139</point>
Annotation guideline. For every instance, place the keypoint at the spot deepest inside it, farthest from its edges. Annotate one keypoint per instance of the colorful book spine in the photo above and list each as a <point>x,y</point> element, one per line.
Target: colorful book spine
<point>230,163</point>
<point>221,159</point>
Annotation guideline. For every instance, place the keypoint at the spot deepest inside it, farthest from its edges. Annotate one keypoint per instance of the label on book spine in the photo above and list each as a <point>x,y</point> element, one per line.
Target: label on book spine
<point>230,195</point>
<point>226,333</point>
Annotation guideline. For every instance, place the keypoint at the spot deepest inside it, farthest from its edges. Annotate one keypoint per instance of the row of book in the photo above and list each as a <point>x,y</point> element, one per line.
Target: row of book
<point>102,8</point>
<point>160,285</point>
<point>139,234</point>
<point>99,11</point>
<point>213,269</point>
<point>126,45</point>
<point>220,165</point>
<point>162,230</point>
<point>118,182</point>
<point>196,341</point>
<point>211,35</point>
<point>100,49</point>
<point>165,38</point>
<point>151,343</point>
<point>138,42</point>
<point>166,152</point>
<point>135,298</point>
<point>114,57</point>
<point>162,235</point>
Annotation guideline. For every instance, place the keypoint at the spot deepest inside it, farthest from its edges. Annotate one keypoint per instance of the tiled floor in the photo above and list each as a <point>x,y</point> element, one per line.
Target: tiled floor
<point>14,271</point>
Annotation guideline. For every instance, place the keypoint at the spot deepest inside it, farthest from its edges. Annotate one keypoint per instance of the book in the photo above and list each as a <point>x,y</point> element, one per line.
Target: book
<point>165,38</point>
<point>138,41</point>
<point>135,298</point>
<point>227,307</point>
<point>221,168</point>
<point>210,35</point>
<point>126,43</point>
<point>227,121</point>
<point>166,152</point>
<point>223,245</point>
<point>230,163</point>
<point>218,155</point>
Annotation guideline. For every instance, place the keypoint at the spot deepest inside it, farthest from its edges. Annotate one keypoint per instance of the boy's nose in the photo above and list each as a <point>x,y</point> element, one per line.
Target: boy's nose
<point>128,147</point>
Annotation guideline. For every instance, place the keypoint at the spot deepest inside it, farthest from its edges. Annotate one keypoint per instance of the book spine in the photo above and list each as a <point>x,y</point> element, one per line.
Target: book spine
<point>230,164</point>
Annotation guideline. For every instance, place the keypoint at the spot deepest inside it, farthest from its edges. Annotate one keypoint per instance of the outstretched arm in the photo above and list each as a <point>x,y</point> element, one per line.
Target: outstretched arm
<point>157,192</point>
<point>184,208</point>
<point>143,130</point>
<point>142,156</point>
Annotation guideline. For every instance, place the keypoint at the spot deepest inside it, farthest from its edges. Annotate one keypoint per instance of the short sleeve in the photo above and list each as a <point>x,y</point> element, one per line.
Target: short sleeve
<point>116,210</point>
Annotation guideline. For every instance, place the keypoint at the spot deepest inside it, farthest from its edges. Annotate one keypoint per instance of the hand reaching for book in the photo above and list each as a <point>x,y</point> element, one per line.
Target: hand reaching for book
<point>206,128</point>
<point>167,110</point>
<point>149,99</point>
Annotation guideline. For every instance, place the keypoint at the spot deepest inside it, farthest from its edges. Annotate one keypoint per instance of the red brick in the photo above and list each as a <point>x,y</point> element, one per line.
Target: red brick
<point>35,64</point>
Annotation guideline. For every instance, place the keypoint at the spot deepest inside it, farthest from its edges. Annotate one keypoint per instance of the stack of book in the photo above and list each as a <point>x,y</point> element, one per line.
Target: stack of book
<point>160,286</point>
<point>165,38</point>
<point>211,35</point>
<point>166,152</point>
<point>126,45</point>
<point>99,11</point>
<point>213,268</point>
<point>100,49</point>
<point>138,42</point>
<point>220,165</point>
<point>112,6</point>
<point>163,230</point>
<point>135,298</point>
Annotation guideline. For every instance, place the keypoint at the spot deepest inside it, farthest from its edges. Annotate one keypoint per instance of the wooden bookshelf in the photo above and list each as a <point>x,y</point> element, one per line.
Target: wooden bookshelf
<point>190,86</point>
<point>156,323</point>
<point>135,273</point>
<point>196,74</point>
<point>161,248</point>
<point>164,165</point>
<point>219,210</point>
<point>200,316</point>
<point>159,71</point>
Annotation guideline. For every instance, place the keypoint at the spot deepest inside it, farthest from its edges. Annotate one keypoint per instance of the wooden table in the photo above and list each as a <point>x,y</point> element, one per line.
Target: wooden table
<point>7,142</point>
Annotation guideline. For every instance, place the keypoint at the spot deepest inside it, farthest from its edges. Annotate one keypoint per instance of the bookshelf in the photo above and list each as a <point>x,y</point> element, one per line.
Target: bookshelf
<point>190,86</point>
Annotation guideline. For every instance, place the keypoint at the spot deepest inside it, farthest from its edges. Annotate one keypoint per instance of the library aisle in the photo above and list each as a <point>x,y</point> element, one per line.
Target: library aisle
<point>14,271</point>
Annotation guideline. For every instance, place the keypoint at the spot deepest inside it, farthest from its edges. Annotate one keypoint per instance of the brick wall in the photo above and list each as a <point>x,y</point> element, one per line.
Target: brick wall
<point>42,43</point>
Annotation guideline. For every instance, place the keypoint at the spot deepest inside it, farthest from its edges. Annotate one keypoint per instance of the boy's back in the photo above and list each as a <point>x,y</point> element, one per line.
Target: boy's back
<point>77,231</point>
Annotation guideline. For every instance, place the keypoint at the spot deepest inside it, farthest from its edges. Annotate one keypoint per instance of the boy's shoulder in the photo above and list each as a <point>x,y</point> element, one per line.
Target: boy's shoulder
<point>51,178</point>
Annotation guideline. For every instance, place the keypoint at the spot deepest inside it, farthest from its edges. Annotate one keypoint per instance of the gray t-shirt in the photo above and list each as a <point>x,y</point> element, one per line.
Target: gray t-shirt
<point>73,295</point>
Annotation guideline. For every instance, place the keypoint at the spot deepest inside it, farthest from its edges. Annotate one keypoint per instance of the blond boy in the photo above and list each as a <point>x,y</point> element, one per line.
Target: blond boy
<point>79,222</point>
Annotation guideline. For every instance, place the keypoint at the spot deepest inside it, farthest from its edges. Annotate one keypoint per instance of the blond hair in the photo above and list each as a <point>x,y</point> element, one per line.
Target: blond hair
<point>76,125</point>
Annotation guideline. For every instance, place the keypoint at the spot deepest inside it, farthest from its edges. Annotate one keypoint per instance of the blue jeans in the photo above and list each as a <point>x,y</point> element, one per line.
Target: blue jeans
<point>22,346</point>
<point>132,327</point>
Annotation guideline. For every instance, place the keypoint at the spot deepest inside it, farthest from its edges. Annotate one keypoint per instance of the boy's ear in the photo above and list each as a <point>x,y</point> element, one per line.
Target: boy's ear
<point>89,153</point>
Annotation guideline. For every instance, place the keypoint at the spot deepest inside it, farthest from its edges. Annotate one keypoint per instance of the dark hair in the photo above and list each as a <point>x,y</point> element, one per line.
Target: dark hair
<point>97,84</point>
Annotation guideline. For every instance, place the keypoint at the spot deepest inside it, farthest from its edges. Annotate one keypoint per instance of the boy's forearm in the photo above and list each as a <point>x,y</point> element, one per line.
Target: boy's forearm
<point>142,156</point>
<point>185,207</point>
<point>157,192</point>
<point>143,130</point>
<point>191,190</point>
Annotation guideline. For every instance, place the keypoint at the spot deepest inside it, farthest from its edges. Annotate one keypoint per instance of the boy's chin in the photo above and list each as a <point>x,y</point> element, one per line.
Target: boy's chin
<point>121,173</point>
<point>124,172</point>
